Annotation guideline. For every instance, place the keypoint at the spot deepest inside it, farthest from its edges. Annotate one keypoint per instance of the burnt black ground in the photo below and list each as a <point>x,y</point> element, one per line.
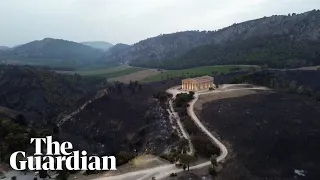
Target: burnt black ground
<point>270,135</point>
<point>118,122</point>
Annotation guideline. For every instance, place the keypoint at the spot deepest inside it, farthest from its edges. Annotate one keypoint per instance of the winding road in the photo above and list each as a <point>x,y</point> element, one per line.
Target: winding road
<point>164,171</point>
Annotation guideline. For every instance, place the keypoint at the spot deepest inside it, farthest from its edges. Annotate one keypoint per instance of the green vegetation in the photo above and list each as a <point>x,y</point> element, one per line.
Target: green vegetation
<point>96,70</point>
<point>274,51</point>
<point>107,72</point>
<point>200,71</point>
<point>183,99</point>
<point>52,53</point>
<point>122,72</point>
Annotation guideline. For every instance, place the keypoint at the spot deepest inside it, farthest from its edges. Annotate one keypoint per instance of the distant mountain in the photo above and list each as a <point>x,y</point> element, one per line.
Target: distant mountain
<point>164,48</point>
<point>52,52</point>
<point>4,47</point>
<point>98,45</point>
<point>160,47</point>
<point>115,54</point>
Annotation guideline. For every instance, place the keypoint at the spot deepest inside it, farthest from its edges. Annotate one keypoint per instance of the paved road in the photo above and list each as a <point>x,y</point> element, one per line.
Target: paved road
<point>162,172</point>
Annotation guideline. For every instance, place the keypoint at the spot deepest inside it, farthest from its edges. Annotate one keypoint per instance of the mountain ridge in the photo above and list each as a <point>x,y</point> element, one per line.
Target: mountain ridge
<point>4,48</point>
<point>304,26</point>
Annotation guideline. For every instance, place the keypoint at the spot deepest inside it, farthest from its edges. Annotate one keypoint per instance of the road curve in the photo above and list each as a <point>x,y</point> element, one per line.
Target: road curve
<point>223,148</point>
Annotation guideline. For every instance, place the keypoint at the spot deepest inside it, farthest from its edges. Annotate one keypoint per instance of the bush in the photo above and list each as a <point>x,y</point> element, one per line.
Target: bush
<point>183,99</point>
<point>204,146</point>
<point>173,174</point>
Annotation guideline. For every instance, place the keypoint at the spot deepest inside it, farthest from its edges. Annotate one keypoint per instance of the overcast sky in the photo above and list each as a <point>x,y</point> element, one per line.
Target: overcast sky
<point>129,21</point>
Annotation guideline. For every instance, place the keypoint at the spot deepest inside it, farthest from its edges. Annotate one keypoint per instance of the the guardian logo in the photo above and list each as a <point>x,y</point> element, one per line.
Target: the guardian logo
<point>58,156</point>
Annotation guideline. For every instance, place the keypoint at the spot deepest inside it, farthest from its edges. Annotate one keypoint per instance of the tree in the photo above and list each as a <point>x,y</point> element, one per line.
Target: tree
<point>184,167</point>
<point>213,160</point>
<point>186,159</point>
<point>214,163</point>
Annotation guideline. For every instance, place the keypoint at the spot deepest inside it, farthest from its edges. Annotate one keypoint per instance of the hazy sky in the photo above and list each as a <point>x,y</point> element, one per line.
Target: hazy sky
<point>129,21</point>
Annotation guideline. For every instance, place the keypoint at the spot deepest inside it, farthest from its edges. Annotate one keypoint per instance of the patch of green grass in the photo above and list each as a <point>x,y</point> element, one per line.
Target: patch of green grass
<point>106,67</point>
<point>200,71</point>
<point>122,72</point>
<point>100,71</point>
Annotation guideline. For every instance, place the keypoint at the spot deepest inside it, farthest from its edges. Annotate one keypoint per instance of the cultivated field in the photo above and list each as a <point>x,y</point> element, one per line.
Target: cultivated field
<point>136,76</point>
<point>271,135</point>
<point>108,72</point>
<point>200,71</point>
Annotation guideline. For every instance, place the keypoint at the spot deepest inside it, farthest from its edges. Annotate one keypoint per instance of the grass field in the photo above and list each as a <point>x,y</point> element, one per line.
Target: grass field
<point>121,72</point>
<point>108,72</point>
<point>200,71</point>
<point>136,76</point>
<point>97,70</point>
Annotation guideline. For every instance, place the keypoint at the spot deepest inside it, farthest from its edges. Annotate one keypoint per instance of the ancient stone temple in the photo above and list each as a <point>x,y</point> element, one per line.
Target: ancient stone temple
<point>198,83</point>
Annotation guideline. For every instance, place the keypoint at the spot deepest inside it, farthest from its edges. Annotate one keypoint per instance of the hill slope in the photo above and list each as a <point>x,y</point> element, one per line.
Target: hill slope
<point>41,93</point>
<point>116,54</point>
<point>278,51</point>
<point>52,51</point>
<point>298,27</point>
<point>104,46</point>
<point>4,47</point>
<point>160,47</point>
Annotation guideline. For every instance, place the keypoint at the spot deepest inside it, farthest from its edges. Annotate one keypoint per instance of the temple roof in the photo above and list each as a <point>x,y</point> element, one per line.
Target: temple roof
<point>200,79</point>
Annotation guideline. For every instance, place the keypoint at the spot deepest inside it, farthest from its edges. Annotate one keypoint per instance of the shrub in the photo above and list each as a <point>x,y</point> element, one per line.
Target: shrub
<point>204,146</point>
<point>173,174</point>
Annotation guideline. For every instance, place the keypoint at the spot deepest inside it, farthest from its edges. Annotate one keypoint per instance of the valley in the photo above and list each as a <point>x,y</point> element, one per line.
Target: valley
<point>151,103</point>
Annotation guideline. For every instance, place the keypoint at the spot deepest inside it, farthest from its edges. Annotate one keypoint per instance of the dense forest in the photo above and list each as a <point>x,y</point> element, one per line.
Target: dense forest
<point>275,51</point>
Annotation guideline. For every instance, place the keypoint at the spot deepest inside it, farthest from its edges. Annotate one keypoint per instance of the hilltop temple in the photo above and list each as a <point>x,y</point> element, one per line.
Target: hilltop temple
<point>198,83</point>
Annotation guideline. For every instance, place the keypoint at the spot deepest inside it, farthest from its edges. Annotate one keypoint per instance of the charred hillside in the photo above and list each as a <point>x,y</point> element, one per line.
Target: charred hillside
<point>42,94</point>
<point>126,120</point>
<point>271,135</point>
